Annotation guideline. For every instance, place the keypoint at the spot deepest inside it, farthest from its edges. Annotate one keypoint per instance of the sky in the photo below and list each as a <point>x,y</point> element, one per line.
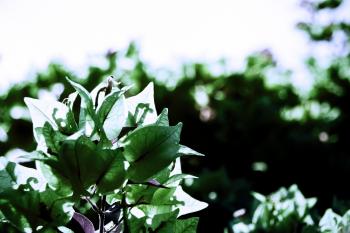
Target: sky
<point>78,33</point>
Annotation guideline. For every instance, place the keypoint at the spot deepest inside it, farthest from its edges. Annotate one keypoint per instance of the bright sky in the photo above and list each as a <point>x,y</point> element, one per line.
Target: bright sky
<point>33,33</point>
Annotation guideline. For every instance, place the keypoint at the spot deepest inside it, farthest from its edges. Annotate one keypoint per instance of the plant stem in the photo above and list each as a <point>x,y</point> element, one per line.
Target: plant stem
<point>125,214</point>
<point>93,205</point>
<point>101,215</point>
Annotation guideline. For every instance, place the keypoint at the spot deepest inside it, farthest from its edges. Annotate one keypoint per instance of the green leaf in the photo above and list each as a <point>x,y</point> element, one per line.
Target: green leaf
<point>186,225</point>
<point>43,111</point>
<point>87,114</point>
<point>259,197</point>
<point>113,114</point>
<point>159,220</point>
<point>60,208</point>
<point>163,197</point>
<point>83,164</point>
<point>77,163</point>
<point>13,175</point>
<point>163,119</point>
<point>57,182</point>
<point>175,180</point>
<point>113,174</point>
<point>14,217</point>
<point>189,204</point>
<point>53,138</point>
<point>144,97</point>
<point>184,150</point>
<point>150,149</point>
<point>330,221</point>
<point>86,101</point>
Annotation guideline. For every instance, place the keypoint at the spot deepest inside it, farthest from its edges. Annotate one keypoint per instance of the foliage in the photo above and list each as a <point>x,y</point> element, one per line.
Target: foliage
<point>258,136</point>
<point>289,211</point>
<point>118,152</point>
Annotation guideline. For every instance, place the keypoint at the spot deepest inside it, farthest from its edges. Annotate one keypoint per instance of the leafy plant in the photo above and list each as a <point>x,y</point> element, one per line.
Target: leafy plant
<point>118,155</point>
<point>334,223</point>
<point>282,211</point>
<point>289,211</point>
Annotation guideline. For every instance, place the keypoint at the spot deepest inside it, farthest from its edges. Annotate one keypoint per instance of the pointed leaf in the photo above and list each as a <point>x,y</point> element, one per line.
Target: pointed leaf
<point>43,111</point>
<point>144,97</point>
<point>184,150</point>
<point>113,114</point>
<point>150,149</point>
<point>87,114</point>
<point>163,119</point>
<point>190,204</point>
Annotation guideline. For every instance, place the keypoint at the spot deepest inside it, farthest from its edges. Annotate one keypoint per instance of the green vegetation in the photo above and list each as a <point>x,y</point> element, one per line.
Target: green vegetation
<point>256,136</point>
<point>118,152</point>
<point>289,211</point>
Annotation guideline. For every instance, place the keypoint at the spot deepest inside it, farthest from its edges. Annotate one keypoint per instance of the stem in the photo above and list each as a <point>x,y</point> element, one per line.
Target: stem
<point>101,215</point>
<point>125,214</point>
<point>93,205</point>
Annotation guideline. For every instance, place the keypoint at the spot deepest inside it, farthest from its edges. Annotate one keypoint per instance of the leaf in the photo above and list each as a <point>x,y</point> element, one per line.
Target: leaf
<point>43,111</point>
<point>150,149</point>
<point>163,119</point>
<point>14,217</point>
<point>162,219</point>
<point>261,198</point>
<point>86,101</point>
<point>13,175</point>
<point>164,197</point>
<point>184,150</point>
<point>113,114</point>
<point>64,229</point>
<point>77,163</point>
<point>190,204</point>
<point>58,183</point>
<point>144,97</point>
<point>84,222</point>
<point>59,208</point>
<point>175,180</point>
<point>53,138</point>
<point>113,174</point>
<point>330,221</point>
<point>186,225</point>
<point>83,164</point>
<point>87,114</point>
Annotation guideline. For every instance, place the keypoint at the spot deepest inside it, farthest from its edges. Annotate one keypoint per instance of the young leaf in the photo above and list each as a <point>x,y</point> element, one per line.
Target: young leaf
<point>86,101</point>
<point>163,119</point>
<point>113,114</point>
<point>144,97</point>
<point>150,149</point>
<point>87,114</point>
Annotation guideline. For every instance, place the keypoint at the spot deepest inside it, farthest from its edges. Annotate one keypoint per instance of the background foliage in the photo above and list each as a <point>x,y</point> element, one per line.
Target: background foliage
<point>256,136</point>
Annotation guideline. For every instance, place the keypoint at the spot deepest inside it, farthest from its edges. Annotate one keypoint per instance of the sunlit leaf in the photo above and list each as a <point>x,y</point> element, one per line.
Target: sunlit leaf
<point>150,149</point>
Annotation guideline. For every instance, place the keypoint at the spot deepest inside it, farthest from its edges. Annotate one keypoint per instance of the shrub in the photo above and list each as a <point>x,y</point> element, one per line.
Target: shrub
<point>118,155</point>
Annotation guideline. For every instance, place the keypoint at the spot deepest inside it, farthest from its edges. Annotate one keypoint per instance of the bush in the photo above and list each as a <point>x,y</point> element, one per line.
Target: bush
<point>117,152</point>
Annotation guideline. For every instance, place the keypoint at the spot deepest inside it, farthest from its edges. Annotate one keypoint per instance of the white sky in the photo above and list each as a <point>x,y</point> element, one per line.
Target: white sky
<point>33,33</point>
